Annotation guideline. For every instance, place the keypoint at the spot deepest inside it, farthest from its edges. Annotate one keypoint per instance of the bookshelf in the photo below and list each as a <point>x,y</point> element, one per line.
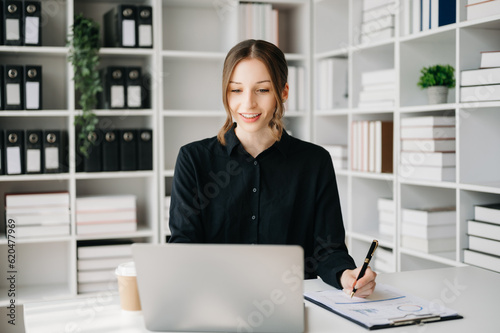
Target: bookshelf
<point>191,38</point>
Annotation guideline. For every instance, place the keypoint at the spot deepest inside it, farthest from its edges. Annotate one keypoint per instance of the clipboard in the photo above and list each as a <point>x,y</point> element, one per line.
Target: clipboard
<point>387,307</point>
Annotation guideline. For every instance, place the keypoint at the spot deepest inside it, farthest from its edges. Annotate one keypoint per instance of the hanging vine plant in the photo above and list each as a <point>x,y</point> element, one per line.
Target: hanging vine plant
<point>84,45</point>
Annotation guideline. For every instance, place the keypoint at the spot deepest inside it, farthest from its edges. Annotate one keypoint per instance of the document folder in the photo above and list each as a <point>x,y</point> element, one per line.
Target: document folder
<point>2,79</point>
<point>54,146</point>
<point>12,17</point>
<point>92,163</point>
<point>145,150</point>
<point>386,307</point>
<point>14,152</point>
<point>33,157</point>
<point>13,81</point>
<point>144,26</point>
<point>110,150</point>
<point>2,158</point>
<point>128,149</point>
<point>33,87</point>
<point>32,20</point>
<point>120,26</point>
<point>134,87</point>
<point>114,95</point>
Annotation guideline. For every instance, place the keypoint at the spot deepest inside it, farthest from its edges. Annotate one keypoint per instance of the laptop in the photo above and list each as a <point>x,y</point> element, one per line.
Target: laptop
<point>221,287</point>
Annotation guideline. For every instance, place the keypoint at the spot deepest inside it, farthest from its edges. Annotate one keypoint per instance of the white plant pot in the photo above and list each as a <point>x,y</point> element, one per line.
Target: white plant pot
<point>437,94</point>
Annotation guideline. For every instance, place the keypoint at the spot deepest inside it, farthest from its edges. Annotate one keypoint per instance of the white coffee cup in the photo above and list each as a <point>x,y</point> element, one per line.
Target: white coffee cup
<point>127,287</point>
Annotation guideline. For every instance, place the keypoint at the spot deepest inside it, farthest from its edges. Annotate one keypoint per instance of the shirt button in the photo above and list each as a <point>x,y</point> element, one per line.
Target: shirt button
<point>255,163</point>
<point>253,217</point>
<point>254,190</point>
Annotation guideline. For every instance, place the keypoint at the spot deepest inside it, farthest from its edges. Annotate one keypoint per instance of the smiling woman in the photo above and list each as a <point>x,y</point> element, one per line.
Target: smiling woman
<point>255,184</point>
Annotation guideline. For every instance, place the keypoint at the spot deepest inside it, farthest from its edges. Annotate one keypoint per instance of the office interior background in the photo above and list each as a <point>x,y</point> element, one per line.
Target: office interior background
<point>354,71</point>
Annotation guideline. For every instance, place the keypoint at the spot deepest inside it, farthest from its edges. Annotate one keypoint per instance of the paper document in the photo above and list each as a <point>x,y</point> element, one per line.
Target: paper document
<point>386,307</point>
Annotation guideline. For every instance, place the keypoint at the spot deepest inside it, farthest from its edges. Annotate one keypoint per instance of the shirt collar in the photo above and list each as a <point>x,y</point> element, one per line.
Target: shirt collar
<point>232,141</point>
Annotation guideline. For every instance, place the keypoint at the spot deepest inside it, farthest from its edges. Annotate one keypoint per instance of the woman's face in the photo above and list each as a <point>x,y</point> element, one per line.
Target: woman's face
<point>250,96</point>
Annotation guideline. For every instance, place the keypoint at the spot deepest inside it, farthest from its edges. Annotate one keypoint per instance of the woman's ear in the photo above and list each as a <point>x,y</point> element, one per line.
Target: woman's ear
<point>284,94</point>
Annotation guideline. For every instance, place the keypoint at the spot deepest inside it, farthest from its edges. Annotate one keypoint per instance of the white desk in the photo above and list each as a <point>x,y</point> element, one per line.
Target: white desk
<point>472,292</point>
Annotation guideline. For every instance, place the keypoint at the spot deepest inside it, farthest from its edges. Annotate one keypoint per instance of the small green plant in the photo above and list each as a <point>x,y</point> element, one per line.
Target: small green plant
<point>438,75</point>
<point>84,47</point>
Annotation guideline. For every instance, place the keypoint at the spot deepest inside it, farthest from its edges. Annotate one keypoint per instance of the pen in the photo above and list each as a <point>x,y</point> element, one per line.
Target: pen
<point>369,256</point>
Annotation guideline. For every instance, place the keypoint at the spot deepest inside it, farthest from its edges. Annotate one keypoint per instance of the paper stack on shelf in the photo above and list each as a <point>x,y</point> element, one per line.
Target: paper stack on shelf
<point>378,21</point>
<point>106,214</point>
<point>482,8</point>
<point>483,84</point>
<point>338,154</point>
<point>372,146</point>
<point>484,238</point>
<point>97,262</point>
<point>297,89</point>
<point>378,89</point>
<point>38,214</point>
<point>428,148</point>
<point>332,83</point>
<point>167,213</point>
<point>429,230</point>
<point>259,21</point>
<point>383,260</point>
<point>386,217</point>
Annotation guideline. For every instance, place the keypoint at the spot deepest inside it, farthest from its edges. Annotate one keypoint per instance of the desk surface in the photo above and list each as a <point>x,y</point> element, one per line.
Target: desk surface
<point>472,292</point>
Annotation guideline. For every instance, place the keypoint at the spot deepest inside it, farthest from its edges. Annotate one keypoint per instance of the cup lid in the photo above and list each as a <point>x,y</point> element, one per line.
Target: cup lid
<point>126,269</point>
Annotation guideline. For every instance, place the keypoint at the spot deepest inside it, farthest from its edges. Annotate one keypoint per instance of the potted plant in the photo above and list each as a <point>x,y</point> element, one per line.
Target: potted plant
<point>84,47</point>
<point>437,80</point>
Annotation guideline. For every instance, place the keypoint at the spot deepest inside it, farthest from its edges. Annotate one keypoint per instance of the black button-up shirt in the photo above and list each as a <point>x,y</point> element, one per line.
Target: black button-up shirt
<point>286,195</point>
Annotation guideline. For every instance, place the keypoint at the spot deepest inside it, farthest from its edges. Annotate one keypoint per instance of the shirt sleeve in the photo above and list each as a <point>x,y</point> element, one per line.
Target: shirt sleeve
<point>185,215</point>
<point>329,234</point>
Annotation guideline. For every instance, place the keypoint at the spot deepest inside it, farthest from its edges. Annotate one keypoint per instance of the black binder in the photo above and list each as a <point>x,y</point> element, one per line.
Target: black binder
<point>92,163</point>
<point>145,26</point>
<point>32,23</point>
<point>2,158</point>
<point>1,26</point>
<point>2,102</point>
<point>13,22</point>
<point>33,87</point>
<point>120,26</point>
<point>110,150</point>
<point>33,152</point>
<point>54,149</point>
<point>128,149</point>
<point>135,95</point>
<point>114,95</point>
<point>145,150</point>
<point>13,87</point>
<point>14,152</point>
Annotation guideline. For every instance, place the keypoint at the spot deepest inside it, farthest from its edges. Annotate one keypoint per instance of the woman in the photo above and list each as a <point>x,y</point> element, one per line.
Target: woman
<point>255,184</point>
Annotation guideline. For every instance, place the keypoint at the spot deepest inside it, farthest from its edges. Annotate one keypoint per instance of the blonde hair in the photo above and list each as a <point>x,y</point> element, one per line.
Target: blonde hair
<point>274,60</point>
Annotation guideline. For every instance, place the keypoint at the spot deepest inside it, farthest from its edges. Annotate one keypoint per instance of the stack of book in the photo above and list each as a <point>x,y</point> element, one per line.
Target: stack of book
<point>484,238</point>
<point>297,89</point>
<point>386,217</point>
<point>332,83</point>
<point>167,213</point>
<point>339,155</point>
<point>97,262</point>
<point>482,8</point>
<point>378,21</point>
<point>483,84</point>
<point>428,148</point>
<point>378,89</point>
<point>383,260</point>
<point>38,214</point>
<point>430,230</point>
<point>106,214</point>
<point>259,21</point>
<point>371,146</point>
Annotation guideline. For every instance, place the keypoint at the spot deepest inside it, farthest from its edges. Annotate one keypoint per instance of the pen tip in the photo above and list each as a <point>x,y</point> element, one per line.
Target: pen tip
<point>352,294</point>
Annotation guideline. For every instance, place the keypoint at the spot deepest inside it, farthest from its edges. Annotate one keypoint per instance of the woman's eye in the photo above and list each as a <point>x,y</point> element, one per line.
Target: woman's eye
<point>235,90</point>
<point>263,90</point>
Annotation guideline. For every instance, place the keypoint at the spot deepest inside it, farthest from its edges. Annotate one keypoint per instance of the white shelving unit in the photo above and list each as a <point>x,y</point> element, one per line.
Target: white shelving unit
<point>336,27</point>
<point>191,39</point>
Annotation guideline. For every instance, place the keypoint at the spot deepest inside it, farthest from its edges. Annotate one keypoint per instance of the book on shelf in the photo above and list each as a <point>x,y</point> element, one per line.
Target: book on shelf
<point>101,263</point>
<point>436,159</point>
<point>428,231</point>
<point>48,199</point>
<point>483,93</point>
<point>483,9</point>
<point>428,145</point>
<point>384,260</point>
<point>382,155</point>
<point>105,228</point>
<point>96,276</point>
<point>376,104</point>
<point>428,121</point>
<point>480,77</point>
<point>442,12</point>
<point>485,245</point>
<point>104,249</point>
<point>25,219</point>
<point>105,202</point>
<point>332,83</point>
<point>376,95</point>
<point>259,21</point>
<point>431,173</point>
<point>386,204</point>
<point>490,59</point>
<point>94,287</point>
<point>386,229</point>
<point>428,132</point>
<point>482,260</point>
<point>296,83</point>
<point>119,215</point>
<point>26,231</point>
<point>435,216</point>
<point>483,229</point>
<point>487,213</point>
<point>428,245</point>
<point>377,77</point>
